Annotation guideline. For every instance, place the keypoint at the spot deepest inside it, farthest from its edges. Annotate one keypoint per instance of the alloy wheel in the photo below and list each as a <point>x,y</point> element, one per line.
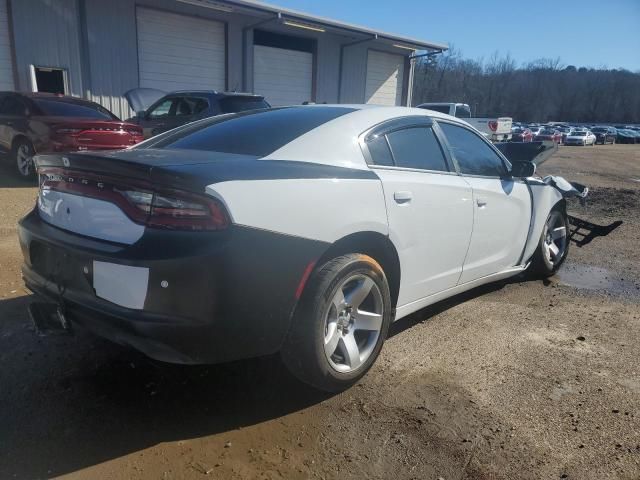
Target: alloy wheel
<point>555,239</point>
<point>353,323</point>
<point>24,160</point>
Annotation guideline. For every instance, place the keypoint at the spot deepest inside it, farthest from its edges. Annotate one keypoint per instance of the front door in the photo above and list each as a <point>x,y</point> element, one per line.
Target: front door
<point>429,206</point>
<point>501,205</point>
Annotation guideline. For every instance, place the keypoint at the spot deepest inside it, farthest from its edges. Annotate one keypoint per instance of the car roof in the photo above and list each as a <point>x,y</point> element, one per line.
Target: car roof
<point>214,93</point>
<point>339,137</point>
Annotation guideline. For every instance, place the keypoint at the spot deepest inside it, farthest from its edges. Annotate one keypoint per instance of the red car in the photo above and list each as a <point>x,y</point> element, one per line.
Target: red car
<point>32,123</point>
<point>549,135</point>
<point>521,135</point>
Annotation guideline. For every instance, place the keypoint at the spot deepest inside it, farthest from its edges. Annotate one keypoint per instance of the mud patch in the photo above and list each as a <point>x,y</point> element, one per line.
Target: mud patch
<point>587,277</point>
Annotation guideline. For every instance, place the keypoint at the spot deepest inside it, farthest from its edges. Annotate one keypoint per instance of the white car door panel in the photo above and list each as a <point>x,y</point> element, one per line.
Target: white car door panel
<point>429,206</point>
<point>430,219</point>
<point>502,205</point>
<point>502,213</point>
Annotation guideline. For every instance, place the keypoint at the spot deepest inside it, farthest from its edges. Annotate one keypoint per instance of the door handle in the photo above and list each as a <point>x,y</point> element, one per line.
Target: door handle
<point>481,202</point>
<point>402,197</point>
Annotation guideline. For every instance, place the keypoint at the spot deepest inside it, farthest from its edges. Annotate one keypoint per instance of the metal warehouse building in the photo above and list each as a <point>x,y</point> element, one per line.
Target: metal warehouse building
<point>99,49</point>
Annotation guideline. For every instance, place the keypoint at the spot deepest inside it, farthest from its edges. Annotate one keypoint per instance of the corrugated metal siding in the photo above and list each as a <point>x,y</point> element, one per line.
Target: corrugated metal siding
<point>328,69</point>
<point>384,78</point>
<point>47,34</point>
<point>354,70</point>
<point>6,63</point>
<point>112,54</point>
<point>282,76</point>
<point>178,52</point>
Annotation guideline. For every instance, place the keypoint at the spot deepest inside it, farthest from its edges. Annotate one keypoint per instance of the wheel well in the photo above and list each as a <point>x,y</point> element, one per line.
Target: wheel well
<point>375,245</point>
<point>17,138</point>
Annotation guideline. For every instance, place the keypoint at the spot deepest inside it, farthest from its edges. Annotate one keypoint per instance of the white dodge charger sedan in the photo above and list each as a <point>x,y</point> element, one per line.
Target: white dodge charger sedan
<point>301,230</point>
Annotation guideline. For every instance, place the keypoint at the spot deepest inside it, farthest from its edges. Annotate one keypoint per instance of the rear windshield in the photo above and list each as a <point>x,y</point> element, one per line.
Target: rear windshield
<point>242,104</point>
<point>599,129</point>
<point>59,108</point>
<point>256,133</point>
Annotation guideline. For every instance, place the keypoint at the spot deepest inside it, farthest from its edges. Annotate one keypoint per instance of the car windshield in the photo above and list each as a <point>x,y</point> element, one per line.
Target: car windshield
<point>547,132</point>
<point>257,133</point>
<point>578,134</point>
<point>518,130</point>
<point>61,108</point>
<point>599,129</point>
<point>235,104</point>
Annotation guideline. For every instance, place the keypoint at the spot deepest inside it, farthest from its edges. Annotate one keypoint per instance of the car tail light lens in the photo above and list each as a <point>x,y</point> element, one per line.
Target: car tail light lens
<point>493,125</point>
<point>144,204</point>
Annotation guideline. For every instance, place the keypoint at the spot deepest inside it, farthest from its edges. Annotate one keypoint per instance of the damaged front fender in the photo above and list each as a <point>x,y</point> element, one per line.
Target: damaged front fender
<point>566,188</point>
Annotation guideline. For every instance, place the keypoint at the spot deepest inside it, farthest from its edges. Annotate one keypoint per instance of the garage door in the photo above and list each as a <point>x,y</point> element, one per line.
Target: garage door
<point>283,76</point>
<point>6,65</point>
<point>384,78</point>
<point>177,52</point>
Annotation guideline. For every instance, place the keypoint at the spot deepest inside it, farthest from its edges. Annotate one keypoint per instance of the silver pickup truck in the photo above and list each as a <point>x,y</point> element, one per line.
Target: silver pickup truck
<point>495,129</point>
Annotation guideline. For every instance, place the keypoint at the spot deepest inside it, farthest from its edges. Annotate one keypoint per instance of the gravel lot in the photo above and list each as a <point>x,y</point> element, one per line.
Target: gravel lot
<point>523,379</point>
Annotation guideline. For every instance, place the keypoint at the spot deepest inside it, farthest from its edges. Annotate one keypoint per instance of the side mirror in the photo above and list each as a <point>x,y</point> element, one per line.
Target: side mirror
<point>141,114</point>
<point>523,169</point>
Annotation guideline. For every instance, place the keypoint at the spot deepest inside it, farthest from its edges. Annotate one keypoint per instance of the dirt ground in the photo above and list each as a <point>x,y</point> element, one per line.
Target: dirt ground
<point>519,380</point>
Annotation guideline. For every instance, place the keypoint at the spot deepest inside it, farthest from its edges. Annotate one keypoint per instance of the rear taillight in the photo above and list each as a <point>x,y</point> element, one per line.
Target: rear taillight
<point>144,204</point>
<point>493,125</point>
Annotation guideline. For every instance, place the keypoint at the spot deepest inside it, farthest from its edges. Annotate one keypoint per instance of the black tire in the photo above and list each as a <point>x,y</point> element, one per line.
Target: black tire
<point>17,150</point>
<point>303,351</point>
<point>541,266</point>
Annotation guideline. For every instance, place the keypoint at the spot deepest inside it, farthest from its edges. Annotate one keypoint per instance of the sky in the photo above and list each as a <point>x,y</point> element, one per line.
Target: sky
<point>583,33</point>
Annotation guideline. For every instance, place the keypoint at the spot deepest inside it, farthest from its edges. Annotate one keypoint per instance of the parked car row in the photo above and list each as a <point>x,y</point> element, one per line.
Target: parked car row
<point>34,123</point>
<point>575,135</point>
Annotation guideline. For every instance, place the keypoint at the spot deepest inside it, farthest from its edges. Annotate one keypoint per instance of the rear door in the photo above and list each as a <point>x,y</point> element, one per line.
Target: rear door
<point>428,205</point>
<point>501,205</point>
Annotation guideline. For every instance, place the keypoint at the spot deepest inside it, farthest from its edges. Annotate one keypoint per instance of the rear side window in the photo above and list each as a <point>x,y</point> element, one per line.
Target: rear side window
<point>380,151</point>
<point>256,133</point>
<point>242,104</point>
<point>473,154</point>
<point>462,111</point>
<point>417,148</point>
<point>186,106</point>
<point>12,105</point>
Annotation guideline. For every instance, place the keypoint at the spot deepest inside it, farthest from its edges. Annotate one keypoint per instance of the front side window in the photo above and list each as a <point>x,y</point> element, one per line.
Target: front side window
<point>473,154</point>
<point>462,111</point>
<point>164,109</point>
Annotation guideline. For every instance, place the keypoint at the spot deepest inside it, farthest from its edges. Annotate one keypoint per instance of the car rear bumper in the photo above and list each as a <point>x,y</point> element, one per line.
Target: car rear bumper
<point>208,297</point>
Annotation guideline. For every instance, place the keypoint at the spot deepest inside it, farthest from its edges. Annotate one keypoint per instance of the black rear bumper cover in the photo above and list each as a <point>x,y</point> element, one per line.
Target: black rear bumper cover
<point>231,294</point>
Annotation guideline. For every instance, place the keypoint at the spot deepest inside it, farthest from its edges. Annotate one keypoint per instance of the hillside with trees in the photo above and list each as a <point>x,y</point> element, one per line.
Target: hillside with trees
<point>544,90</point>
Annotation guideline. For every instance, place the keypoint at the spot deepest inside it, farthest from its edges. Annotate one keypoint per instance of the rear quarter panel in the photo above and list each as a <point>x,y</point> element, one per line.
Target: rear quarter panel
<point>324,209</point>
